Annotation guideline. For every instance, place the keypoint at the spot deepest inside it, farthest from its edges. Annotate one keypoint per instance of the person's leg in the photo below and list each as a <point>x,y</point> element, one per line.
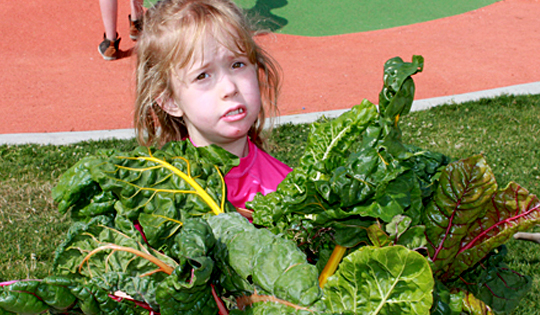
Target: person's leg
<point>109,46</point>
<point>136,9</point>
<point>135,19</point>
<point>109,11</point>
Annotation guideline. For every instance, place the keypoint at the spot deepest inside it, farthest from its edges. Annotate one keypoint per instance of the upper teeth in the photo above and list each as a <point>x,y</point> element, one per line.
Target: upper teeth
<point>235,112</point>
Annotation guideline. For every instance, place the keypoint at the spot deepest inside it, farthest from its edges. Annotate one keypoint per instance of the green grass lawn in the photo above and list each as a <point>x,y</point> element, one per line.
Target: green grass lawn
<point>506,130</point>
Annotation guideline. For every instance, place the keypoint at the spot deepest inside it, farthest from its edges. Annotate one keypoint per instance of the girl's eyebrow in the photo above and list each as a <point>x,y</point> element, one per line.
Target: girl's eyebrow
<point>197,68</point>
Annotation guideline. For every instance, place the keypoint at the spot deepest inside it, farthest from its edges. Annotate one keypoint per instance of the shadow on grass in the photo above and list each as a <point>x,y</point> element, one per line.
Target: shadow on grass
<point>263,19</point>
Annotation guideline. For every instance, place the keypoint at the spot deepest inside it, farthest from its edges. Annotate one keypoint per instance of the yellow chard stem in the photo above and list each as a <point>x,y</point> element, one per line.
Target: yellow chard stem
<point>332,264</point>
<point>200,191</point>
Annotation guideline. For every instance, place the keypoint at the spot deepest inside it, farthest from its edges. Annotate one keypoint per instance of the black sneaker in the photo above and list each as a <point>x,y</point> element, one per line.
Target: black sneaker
<point>135,28</point>
<point>109,48</point>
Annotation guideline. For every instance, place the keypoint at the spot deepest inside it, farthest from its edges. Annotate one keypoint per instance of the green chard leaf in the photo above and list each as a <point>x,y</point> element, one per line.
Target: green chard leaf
<point>397,95</point>
<point>356,164</point>
<point>20,297</point>
<point>138,290</point>
<point>388,280</point>
<point>93,297</point>
<point>266,263</point>
<point>402,233</point>
<point>351,232</point>
<point>187,290</point>
<point>79,192</point>
<point>329,143</point>
<point>446,302</point>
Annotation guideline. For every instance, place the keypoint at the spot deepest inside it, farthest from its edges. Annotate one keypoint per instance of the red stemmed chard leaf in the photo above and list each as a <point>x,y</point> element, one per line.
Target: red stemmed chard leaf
<point>465,187</point>
<point>511,210</point>
<point>468,217</point>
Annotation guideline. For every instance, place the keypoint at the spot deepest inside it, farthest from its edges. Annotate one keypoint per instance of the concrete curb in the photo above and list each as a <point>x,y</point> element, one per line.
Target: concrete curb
<point>63,138</point>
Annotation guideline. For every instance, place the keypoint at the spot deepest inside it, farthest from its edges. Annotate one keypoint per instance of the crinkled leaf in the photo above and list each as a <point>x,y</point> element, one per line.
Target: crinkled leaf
<point>162,188</point>
<point>371,174</point>
<point>397,226</point>
<point>187,290</point>
<point>98,236</point>
<point>225,229</point>
<point>77,190</point>
<point>275,265</point>
<point>329,143</point>
<point>55,292</point>
<point>195,240</point>
<point>328,147</point>
<point>388,280</point>
<point>275,260</point>
<point>427,166</point>
<point>140,289</point>
<point>393,198</point>
<point>381,179</point>
<point>94,299</point>
<point>246,248</point>
<point>147,186</point>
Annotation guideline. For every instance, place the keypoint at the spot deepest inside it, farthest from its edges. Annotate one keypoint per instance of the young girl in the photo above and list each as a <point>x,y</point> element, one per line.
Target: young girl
<point>202,77</point>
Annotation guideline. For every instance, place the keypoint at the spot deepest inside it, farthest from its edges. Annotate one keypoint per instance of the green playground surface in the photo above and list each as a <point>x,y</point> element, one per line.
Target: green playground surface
<point>326,17</point>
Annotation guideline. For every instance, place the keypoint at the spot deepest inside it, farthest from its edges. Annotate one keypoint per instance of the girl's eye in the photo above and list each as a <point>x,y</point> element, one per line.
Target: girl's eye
<point>238,64</point>
<point>202,76</point>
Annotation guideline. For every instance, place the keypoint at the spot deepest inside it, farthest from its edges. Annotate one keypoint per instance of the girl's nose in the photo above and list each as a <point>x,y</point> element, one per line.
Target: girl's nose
<point>228,86</point>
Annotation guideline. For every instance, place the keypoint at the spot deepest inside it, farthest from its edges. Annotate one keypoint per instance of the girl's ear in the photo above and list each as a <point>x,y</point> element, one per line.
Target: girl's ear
<point>169,105</point>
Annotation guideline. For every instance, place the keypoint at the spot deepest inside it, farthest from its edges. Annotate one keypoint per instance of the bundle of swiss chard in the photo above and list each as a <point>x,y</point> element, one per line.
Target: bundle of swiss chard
<point>365,224</point>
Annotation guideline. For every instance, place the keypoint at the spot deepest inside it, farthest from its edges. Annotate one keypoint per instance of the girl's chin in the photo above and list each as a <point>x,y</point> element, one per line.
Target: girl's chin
<point>235,132</point>
<point>224,139</point>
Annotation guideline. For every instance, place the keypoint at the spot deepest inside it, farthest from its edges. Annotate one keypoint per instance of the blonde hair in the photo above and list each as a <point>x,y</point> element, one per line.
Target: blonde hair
<point>172,31</point>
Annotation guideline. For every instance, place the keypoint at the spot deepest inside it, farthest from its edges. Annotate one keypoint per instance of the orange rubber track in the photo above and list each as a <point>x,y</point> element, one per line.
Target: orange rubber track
<point>53,79</point>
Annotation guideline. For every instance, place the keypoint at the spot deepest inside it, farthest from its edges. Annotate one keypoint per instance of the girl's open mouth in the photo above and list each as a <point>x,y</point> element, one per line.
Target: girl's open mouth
<point>235,112</point>
<point>238,113</point>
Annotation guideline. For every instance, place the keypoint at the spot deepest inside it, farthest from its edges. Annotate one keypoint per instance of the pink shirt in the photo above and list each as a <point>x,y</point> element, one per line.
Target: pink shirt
<point>257,172</point>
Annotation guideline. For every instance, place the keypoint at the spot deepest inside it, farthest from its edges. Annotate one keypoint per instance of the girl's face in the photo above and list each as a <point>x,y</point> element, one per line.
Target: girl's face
<point>218,97</point>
